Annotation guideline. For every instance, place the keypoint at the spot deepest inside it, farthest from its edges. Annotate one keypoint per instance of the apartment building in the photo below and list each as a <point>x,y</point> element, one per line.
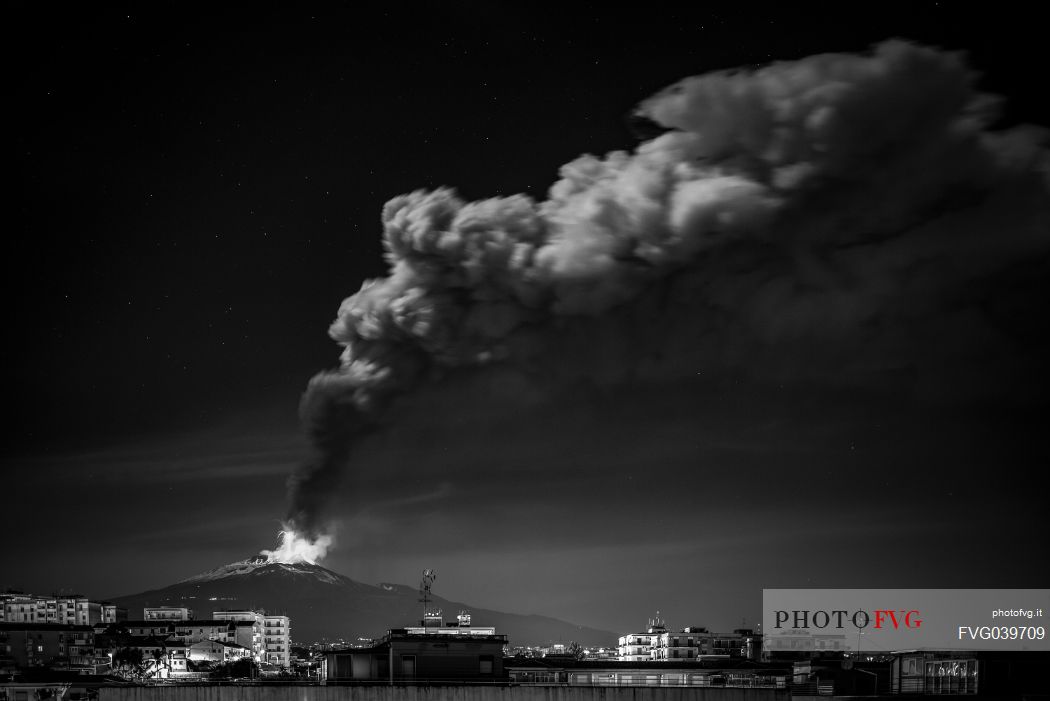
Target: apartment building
<point>41,644</point>
<point>696,643</point>
<point>658,643</point>
<point>270,636</point>
<point>638,647</point>
<point>277,639</point>
<point>167,613</point>
<point>111,613</point>
<point>68,610</point>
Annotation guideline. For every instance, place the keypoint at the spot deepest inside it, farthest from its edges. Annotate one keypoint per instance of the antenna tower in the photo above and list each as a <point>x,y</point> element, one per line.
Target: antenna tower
<point>424,591</point>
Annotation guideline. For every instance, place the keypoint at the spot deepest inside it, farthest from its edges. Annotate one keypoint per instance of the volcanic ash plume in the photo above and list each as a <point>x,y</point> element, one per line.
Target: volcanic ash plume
<point>843,220</point>
<point>292,549</point>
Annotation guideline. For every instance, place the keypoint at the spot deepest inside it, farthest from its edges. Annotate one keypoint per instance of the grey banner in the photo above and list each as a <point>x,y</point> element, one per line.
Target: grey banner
<point>885,620</point>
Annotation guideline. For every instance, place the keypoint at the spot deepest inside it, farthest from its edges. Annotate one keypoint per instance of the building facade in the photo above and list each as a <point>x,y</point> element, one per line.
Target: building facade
<point>217,651</point>
<point>277,640</point>
<point>71,610</point>
<point>658,644</point>
<point>44,644</point>
<point>195,631</point>
<point>432,650</point>
<point>699,643</point>
<point>997,674</point>
<point>167,613</point>
<point>111,613</point>
<point>161,659</point>
<point>403,656</point>
<point>683,645</point>
<point>155,629</point>
<point>638,647</point>
<point>244,633</point>
<point>591,673</point>
<point>793,643</point>
<point>20,608</point>
<point>268,637</point>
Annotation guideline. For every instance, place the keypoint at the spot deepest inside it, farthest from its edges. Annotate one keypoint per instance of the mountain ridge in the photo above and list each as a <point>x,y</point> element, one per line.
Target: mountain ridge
<point>326,605</point>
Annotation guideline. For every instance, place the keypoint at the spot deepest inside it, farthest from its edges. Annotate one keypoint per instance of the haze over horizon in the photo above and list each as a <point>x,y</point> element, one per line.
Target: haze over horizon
<point>855,397</point>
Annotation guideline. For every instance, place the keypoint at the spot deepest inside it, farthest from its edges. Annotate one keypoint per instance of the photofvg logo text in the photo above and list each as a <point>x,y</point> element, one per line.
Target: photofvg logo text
<point>840,619</point>
<point>848,620</point>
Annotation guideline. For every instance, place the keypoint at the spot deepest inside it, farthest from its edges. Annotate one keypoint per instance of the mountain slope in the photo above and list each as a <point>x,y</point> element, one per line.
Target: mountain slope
<point>324,604</point>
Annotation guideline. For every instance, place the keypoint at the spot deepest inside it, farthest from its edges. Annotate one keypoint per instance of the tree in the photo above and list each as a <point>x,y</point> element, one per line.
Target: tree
<point>117,630</point>
<point>244,668</point>
<point>127,662</point>
<point>576,650</point>
<point>161,660</point>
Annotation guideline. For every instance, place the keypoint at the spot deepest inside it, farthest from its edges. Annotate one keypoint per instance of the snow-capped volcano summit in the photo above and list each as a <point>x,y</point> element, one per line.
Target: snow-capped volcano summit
<point>261,564</point>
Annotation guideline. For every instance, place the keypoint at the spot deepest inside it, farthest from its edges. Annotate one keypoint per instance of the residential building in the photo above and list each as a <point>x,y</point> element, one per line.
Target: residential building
<point>711,673</point>
<point>799,644</point>
<point>277,640</point>
<point>161,657</point>
<point>111,613</point>
<point>253,621</point>
<point>217,651</point>
<point>658,643</point>
<point>44,644</point>
<point>684,645</point>
<point>22,608</point>
<point>167,613</point>
<point>191,632</point>
<point>79,611</point>
<point>244,633</point>
<point>638,647</point>
<point>840,676</point>
<point>998,674</point>
<point>404,656</point>
<point>57,610</point>
<point>65,685</point>
<point>698,643</point>
<point>267,636</point>
<point>156,629</point>
<point>171,663</point>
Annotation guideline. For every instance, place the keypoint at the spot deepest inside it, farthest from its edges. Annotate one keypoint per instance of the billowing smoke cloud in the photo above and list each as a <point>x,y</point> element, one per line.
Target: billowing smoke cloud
<point>843,220</point>
<point>293,549</point>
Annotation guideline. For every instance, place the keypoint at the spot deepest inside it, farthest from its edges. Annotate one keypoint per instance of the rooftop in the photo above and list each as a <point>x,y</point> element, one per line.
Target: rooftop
<point>569,663</point>
<point>44,627</point>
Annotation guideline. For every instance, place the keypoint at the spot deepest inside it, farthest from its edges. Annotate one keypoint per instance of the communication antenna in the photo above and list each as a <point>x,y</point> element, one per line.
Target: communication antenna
<point>424,591</point>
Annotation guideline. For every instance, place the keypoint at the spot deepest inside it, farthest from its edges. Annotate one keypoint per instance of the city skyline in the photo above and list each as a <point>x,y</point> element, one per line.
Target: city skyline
<point>197,195</point>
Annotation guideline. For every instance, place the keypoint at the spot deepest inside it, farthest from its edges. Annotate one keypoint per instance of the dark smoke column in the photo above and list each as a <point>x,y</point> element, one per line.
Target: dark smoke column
<point>336,409</point>
<point>798,222</point>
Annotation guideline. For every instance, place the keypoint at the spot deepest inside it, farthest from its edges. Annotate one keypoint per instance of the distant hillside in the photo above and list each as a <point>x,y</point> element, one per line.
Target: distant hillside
<point>326,605</point>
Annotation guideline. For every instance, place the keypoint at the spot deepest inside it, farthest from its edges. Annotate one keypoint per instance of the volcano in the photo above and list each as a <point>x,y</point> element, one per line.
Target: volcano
<point>325,605</point>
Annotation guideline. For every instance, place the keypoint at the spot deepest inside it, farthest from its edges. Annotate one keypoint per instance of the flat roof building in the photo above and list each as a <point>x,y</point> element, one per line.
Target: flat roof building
<point>42,644</point>
<point>721,673</point>
<point>431,651</point>
<point>167,613</point>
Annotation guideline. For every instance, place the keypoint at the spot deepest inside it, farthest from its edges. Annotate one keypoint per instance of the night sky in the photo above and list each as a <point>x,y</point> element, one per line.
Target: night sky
<point>196,192</point>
